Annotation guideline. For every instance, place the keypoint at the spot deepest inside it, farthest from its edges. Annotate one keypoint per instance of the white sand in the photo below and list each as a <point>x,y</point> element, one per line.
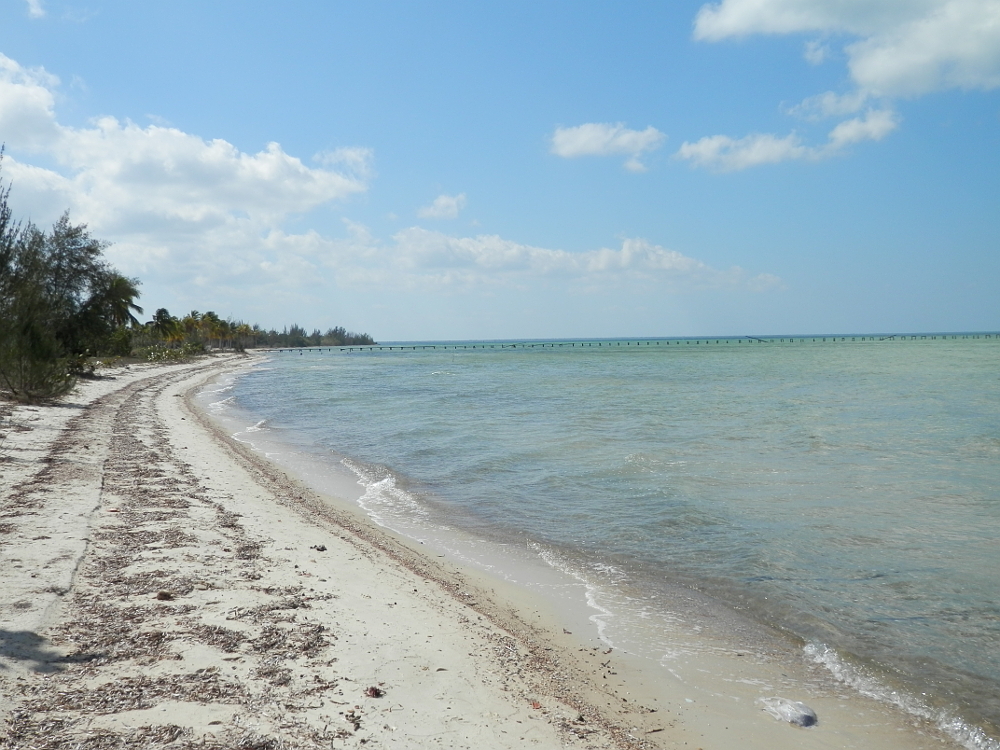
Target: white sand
<point>162,586</point>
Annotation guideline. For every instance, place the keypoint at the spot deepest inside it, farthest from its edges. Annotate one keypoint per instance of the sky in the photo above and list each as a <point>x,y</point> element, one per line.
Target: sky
<point>456,170</point>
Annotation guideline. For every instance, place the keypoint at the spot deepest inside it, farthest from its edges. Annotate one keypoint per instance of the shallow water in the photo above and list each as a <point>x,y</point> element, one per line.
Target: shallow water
<point>847,493</point>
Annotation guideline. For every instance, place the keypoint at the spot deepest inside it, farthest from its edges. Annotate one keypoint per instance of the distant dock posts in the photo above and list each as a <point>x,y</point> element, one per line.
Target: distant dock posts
<point>666,344</point>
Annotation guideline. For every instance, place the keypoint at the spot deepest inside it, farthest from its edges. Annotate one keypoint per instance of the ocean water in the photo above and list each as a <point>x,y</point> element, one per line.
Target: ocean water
<point>843,490</point>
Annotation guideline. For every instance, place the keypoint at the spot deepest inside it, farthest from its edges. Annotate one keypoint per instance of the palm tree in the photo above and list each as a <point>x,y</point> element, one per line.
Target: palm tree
<point>190,326</point>
<point>176,337</point>
<point>117,299</point>
<point>163,324</point>
<point>244,334</point>
<point>210,325</point>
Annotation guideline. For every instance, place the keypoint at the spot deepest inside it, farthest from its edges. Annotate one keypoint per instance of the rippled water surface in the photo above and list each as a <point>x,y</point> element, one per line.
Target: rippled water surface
<point>846,492</point>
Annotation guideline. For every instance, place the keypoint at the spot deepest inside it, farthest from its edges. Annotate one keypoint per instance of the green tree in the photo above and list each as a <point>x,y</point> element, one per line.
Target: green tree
<point>116,296</point>
<point>164,325</point>
<point>211,327</point>
<point>32,365</point>
<point>103,321</point>
<point>59,302</point>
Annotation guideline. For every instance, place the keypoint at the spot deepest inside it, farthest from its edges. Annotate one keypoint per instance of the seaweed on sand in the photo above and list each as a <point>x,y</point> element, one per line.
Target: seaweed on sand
<point>304,640</point>
<point>135,693</point>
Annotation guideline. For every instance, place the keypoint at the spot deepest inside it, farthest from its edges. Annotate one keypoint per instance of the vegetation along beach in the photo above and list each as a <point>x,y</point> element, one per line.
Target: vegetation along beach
<point>191,561</point>
<point>166,585</point>
<point>612,376</point>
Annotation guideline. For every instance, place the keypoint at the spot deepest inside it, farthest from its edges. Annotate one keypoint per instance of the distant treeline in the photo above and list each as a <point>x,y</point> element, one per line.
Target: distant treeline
<point>297,336</point>
<point>62,306</point>
<point>203,330</point>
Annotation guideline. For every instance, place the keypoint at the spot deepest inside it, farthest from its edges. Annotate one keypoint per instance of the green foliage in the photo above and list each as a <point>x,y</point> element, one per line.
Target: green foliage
<point>296,336</point>
<point>197,332</point>
<point>340,337</point>
<point>32,367</point>
<point>30,356</point>
<point>112,303</point>
<point>160,353</point>
<point>80,366</point>
<point>59,302</point>
<point>119,343</point>
<point>163,324</point>
<point>61,305</point>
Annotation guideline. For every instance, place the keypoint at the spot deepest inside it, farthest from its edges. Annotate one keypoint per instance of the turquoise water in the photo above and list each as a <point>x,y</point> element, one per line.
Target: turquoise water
<point>844,491</point>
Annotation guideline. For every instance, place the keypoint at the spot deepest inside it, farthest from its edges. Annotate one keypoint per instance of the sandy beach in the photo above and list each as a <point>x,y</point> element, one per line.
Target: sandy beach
<point>164,586</point>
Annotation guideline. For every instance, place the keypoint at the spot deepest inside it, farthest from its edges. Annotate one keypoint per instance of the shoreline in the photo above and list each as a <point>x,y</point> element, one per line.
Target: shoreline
<point>211,557</point>
<point>204,602</point>
<point>712,668</point>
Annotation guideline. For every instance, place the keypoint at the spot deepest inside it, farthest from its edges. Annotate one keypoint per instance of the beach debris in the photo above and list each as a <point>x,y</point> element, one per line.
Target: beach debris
<point>319,547</point>
<point>374,692</point>
<point>536,704</point>
<point>149,582</point>
<point>271,671</point>
<point>291,642</point>
<point>137,693</point>
<point>577,726</point>
<point>354,717</point>
<point>794,712</point>
<point>254,741</point>
<point>228,519</point>
<point>103,633</point>
<point>215,635</point>
<point>43,734</point>
<point>249,551</point>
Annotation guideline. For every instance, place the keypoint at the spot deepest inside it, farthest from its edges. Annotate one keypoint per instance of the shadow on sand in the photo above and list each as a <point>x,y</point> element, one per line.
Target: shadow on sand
<point>26,646</point>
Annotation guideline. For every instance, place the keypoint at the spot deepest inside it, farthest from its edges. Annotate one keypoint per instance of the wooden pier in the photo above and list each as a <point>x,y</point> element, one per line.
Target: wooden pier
<point>665,343</point>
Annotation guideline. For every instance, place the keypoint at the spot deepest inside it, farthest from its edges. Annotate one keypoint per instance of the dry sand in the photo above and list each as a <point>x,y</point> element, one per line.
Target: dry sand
<point>163,586</point>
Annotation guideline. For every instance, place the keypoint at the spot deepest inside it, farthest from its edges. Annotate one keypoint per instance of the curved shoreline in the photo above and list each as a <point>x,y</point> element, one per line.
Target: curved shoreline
<point>723,670</point>
<point>210,597</point>
<point>213,604</point>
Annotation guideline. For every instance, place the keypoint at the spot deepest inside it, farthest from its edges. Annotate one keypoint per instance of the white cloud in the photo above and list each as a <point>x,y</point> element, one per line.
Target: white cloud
<point>421,258</point>
<point>26,105</point>
<point>724,154</point>
<point>184,214</point>
<point>126,176</point>
<point>126,180</point>
<point>282,266</point>
<point>896,48</point>
<point>353,160</point>
<point>956,45</point>
<point>721,153</point>
<point>443,207</point>
<point>605,139</point>
<point>815,52</point>
<point>35,9</point>
<point>829,104</point>
<point>874,126</point>
<point>203,224</point>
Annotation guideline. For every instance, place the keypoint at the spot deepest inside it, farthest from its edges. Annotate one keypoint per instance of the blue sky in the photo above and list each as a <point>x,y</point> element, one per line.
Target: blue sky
<point>523,169</point>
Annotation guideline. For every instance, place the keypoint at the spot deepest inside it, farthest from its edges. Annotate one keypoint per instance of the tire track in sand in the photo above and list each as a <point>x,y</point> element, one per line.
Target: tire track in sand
<point>143,540</point>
